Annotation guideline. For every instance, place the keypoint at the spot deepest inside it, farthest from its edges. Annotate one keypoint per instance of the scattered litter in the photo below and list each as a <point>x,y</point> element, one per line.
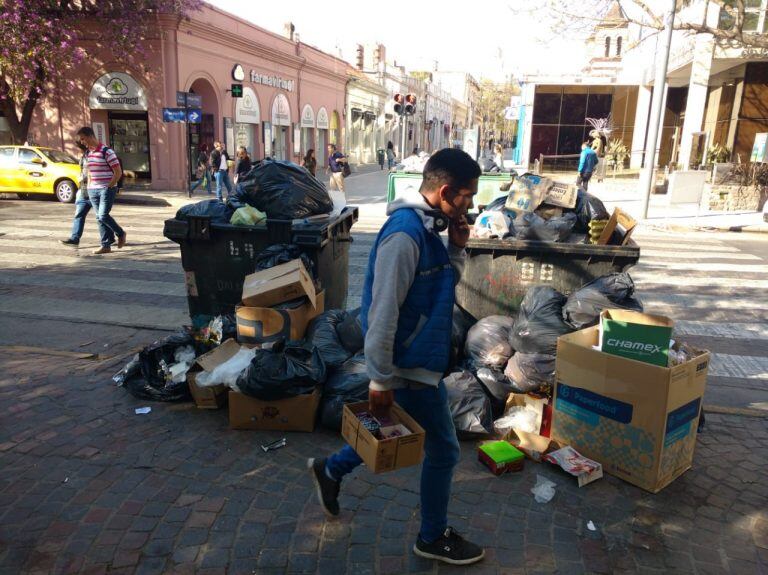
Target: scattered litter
<point>591,526</point>
<point>573,462</point>
<point>274,445</point>
<point>544,490</point>
<point>142,410</point>
<point>517,417</point>
<point>66,479</point>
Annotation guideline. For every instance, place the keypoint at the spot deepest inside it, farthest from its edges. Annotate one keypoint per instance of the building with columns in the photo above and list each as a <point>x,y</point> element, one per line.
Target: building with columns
<point>714,94</point>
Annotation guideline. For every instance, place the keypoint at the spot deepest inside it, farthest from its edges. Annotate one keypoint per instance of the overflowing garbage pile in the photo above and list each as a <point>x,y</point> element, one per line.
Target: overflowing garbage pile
<point>537,208</point>
<point>278,190</point>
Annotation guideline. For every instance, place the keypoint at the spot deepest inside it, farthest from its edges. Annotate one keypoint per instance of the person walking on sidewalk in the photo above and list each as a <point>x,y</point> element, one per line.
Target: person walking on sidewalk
<point>82,203</point>
<point>310,162</point>
<point>336,161</point>
<point>587,163</point>
<point>104,174</point>
<point>202,172</point>
<point>243,164</point>
<point>406,314</point>
<point>390,155</point>
<point>220,167</point>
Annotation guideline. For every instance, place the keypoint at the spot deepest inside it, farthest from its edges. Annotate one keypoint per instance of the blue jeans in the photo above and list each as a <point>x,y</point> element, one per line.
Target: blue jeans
<point>429,407</point>
<point>82,207</point>
<point>101,201</point>
<point>222,177</point>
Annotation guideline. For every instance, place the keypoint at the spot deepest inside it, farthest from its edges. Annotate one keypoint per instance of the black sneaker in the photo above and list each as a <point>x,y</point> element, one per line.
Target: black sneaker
<point>451,548</point>
<point>70,242</point>
<point>327,488</point>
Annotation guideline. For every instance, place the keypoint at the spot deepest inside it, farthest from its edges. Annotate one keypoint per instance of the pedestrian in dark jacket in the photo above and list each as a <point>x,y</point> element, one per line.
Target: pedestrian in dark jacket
<point>406,314</point>
<point>243,163</point>
<point>220,169</point>
<point>310,162</point>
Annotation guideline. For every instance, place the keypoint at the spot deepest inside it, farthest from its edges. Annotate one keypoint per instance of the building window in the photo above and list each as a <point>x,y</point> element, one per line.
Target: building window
<point>607,46</point>
<point>755,19</point>
<point>618,45</point>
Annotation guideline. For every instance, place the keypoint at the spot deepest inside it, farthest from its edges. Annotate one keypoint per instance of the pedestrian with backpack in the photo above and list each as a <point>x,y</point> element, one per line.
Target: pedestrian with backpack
<point>104,179</point>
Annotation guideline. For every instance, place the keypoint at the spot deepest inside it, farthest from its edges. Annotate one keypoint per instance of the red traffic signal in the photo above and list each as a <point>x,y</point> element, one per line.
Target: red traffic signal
<point>410,104</point>
<point>399,103</point>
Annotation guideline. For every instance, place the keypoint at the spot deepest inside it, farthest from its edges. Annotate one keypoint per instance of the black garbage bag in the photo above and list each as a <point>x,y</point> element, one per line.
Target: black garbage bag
<point>528,372</point>
<point>350,331</point>
<point>470,407</point>
<point>488,341</point>
<point>284,191</point>
<point>346,384</point>
<point>588,208</point>
<point>531,226</point>
<point>539,321</point>
<point>462,322</point>
<point>614,290</point>
<point>152,380</point>
<point>277,254</point>
<point>322,334</point>
<point>219,212</point>
<point>286,370</point>
<point>496,387</point>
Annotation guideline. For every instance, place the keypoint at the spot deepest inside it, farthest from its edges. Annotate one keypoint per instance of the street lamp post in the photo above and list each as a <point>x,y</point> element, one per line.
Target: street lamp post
<point>659,86</point>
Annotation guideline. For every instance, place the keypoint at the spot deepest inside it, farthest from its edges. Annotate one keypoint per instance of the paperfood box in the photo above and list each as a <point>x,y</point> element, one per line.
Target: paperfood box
<point>636,419</point>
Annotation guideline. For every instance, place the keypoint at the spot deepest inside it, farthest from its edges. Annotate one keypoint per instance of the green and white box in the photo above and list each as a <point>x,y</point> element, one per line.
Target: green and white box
<point>634,335</point>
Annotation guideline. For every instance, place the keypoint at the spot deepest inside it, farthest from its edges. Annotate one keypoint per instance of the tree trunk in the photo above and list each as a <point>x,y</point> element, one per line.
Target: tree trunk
<point>20,126</point>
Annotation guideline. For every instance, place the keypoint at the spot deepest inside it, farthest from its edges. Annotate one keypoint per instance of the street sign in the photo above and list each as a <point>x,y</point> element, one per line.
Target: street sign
<point>237,90</point>
<point>174,115</point>
<point>194,115</point>
<point>189,100</point>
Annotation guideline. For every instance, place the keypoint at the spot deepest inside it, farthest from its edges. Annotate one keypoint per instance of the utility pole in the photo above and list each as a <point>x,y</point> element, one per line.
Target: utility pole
<point>647,182</point>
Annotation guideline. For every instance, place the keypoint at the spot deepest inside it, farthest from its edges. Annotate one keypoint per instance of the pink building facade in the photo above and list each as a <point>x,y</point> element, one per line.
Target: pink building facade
<point>293,98</point>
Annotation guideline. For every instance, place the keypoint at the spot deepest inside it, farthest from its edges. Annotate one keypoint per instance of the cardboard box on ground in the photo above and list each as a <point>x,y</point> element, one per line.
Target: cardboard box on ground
<point>637,419</point>
<point>211,397</point>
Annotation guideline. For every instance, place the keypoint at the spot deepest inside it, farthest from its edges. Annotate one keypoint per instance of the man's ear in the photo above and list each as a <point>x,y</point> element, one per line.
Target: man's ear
<point>445,193</point>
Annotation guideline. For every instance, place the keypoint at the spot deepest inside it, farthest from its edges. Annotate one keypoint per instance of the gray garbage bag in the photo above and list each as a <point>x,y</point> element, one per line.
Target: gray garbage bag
<point>488,341</point>
<point>528,372</point>
<point>533,227</point>
<point>462,322</point>
<point>470,407</point>
<point>286,370</point>
<point>496,387</point>
<point>322,334</point>
<point>614,290</point>
<point>539,321</point>
<point>345,384</point>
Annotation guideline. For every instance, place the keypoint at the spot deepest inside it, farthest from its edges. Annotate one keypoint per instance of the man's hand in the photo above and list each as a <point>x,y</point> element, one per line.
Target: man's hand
<point>458,232</point>
<point>379,402</point>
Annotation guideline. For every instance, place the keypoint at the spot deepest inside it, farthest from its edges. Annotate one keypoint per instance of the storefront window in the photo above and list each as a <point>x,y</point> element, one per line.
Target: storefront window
<point>129,135</point>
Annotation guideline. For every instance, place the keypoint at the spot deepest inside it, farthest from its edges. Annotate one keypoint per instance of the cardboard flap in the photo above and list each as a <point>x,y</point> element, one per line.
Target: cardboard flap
<point>620,221</point>
<point>279,284</point>
<point>637,317</point>
<point>218,355</point>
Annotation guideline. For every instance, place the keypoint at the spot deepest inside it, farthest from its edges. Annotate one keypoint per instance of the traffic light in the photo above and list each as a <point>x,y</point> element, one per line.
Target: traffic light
<point>399,104</point>
<point>237,90</point>
<point>410,104</point>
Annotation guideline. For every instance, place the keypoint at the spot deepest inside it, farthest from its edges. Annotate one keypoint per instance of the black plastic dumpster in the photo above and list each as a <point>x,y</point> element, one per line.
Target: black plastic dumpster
<point>217,257</point>
<point>499,272</point>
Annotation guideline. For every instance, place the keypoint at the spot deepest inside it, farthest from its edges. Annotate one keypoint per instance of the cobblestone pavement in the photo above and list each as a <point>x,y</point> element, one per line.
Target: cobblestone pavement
<point>88,486</point>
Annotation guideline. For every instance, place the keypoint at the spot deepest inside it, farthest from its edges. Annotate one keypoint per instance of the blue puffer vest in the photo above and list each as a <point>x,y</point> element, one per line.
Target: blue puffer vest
<point>423,336</point>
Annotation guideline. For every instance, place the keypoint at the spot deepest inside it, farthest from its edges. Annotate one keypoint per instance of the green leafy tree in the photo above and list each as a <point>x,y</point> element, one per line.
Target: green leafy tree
<point>41,39</point>
<point>494,99</point>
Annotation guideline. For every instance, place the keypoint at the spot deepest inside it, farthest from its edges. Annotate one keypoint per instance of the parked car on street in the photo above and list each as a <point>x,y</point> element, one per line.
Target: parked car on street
<point>31,170</point>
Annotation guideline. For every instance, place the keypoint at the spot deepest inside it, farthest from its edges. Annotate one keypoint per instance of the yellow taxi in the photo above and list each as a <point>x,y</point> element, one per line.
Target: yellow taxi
<point>30,170</point>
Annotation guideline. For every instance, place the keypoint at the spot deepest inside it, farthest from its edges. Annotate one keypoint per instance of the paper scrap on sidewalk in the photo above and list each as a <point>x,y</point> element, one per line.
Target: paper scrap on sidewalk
<point>142,410</point>
<point>583,468</point>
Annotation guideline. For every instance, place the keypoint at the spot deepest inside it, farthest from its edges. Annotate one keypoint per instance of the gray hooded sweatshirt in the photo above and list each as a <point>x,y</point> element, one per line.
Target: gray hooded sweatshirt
<point>395,268</point>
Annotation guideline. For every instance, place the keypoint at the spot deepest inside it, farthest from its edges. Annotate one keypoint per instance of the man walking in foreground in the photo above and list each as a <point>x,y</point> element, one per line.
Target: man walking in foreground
<point>587,163</point>
<point>406,314</point>
<point>104,173</point>
<point>335,165</point>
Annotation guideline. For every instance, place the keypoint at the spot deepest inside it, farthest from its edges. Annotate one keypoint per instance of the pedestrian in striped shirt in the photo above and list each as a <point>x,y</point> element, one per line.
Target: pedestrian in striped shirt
<point>104,173</point>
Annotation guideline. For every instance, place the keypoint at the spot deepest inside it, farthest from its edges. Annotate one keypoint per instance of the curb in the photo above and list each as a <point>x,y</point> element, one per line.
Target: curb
<point>745,229</point>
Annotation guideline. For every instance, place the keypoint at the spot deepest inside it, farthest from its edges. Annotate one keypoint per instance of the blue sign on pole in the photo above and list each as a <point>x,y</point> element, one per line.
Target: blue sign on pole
<point>174,115</point>
<point>194,115</point>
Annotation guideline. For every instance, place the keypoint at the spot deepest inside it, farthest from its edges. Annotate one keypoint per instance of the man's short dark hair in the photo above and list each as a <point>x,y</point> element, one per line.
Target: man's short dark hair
<point>86,131</point>
<point>449,167</point>
<point>332,146</point>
